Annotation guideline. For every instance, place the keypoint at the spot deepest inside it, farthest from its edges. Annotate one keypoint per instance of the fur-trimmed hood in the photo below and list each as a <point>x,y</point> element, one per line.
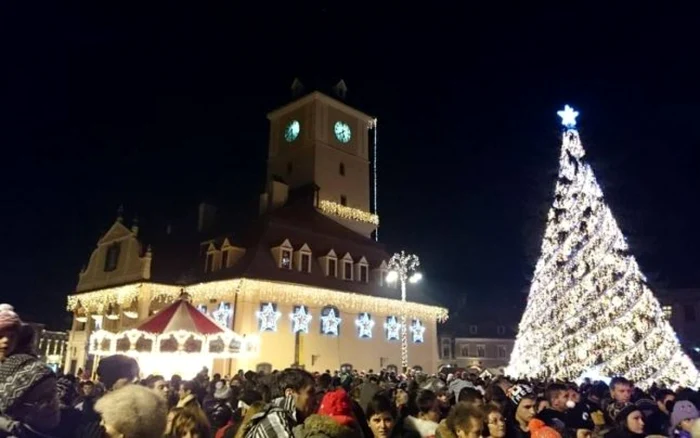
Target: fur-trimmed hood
<point>325,427</point>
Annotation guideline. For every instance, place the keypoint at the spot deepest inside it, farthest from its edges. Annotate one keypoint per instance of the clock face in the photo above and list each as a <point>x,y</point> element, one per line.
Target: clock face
<point>342,132</point>
<point>291,132</point>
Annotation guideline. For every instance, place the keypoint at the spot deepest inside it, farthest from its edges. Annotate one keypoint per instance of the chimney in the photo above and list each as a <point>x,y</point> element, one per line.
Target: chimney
<point>206,217</point>
<point>297,88</point>
<point>340,89</point>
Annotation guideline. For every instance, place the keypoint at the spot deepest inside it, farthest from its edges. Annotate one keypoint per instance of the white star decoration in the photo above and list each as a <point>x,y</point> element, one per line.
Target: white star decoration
<point>393,328</point>
<point>300,320</point>
<point>418,330</point>
<point>331,323</point>
<point>568,116</point>
<point>365,324</point>
<point>223,314</point>
<point>268,317</point>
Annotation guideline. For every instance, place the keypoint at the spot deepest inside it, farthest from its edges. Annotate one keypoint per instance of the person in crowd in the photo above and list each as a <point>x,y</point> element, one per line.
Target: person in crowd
<point>286,412</point>
<point>682,417</point>
<point>334,419</point>
<point>520,410</point>
<point>659,422</point>
<point>383,420</point>
<point>132,411</point>
<point>594,403</point>
<point>28,398</point>
<point>555,415</point>
<point>368,390</point>
<point>218,409</point>
<point>188,395</point>
<point>620,393</point>
<point>158,384</point>
<point>494,422</point>
<point>252,410</point>
<point>578,420</point>
<point>541,404</point>
<point>190,423</point>
<point>114,372</point>
<point>67,390</point>
<point>628,421</point>
<point>424,414</point>
<point>463,421</point>
<point>471,397</point>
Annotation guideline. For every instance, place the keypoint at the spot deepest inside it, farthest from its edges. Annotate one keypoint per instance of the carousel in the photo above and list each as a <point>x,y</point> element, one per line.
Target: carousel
<point>179,339</point>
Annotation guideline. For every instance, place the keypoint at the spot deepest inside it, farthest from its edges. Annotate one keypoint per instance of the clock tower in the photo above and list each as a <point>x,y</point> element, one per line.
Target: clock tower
<point>320,140</point>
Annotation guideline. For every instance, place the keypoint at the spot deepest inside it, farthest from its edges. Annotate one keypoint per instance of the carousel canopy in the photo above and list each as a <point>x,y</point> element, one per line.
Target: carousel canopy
<point>181,315</point>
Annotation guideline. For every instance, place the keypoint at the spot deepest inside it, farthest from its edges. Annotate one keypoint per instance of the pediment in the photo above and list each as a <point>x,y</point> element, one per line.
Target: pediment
<point>211,248</point>
<point>285,245</point>
<point>226,244</point>
<point>382,266</point>
<point>304,248</point>
<point>347,257</point>
<point>116,232</point>
<point>331,254</point>
<point>362,261</point>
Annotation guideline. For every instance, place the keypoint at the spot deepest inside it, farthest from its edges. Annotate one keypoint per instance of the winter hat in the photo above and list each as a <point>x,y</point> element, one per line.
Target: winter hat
<point>683,410</point>
<point>538,429</point>
<point>117,367</point>
<point>8,317</point>
<point>518,392</point>
<point>337,405</point>
<point>67,390</point>
<point>222,391</point>
<point>578,417</point>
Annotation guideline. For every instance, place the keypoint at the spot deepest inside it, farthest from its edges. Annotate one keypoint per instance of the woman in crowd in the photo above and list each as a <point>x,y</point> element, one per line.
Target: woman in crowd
<point>133,411</point>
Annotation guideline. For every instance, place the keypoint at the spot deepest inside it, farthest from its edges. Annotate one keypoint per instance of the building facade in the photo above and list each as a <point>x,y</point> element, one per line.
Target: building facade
<point>682,309</point>
<point>304,277</point>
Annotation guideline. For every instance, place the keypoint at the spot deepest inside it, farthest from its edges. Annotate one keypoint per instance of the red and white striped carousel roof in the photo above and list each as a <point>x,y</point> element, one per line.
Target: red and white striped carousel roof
<point>181,315</point>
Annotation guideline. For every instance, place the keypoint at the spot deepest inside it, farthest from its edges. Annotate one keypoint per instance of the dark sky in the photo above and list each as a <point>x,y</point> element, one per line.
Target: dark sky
<point>157,107</point>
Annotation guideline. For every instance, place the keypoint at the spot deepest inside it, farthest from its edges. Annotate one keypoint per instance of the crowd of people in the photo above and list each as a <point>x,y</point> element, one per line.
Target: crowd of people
<point>34,402</point>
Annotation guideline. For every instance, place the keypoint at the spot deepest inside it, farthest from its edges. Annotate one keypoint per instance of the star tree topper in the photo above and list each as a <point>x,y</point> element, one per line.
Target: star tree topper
<point>568,117</point>
<point>300,320</point>
<point>365,324</point>
<point>330,323</point>
<point>418,331</point>
<point>393,328</point>
<point>268,317</point>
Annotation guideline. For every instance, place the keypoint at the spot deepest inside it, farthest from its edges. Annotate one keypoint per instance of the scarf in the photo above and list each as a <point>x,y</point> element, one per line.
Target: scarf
<point>18,374</point>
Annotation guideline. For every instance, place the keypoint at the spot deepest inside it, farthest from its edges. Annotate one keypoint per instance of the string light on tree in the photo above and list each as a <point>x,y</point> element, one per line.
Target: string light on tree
<point>590,309</point>
<point>418,331</point>
<point>393,329</point>
<point>268,318</point>
<point>300,320</point>
<point>365,324</point>
<point>404,268</point>
<point>330,324</point>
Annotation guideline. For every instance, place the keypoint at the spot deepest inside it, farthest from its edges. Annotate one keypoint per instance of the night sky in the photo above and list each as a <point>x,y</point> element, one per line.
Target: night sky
<point>159,107</point>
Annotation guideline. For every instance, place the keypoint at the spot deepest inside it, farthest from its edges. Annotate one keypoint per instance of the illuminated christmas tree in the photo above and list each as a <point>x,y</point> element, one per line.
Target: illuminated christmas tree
<point>590,310</point>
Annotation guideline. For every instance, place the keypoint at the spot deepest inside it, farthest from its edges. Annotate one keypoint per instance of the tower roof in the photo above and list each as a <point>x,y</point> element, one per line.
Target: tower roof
<point>317,95</point>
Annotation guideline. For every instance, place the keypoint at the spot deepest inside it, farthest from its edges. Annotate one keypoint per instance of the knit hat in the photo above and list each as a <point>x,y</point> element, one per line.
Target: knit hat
<point>518,392</point>
<point>578,417</point>
<point>538,429</point>
<point>117,367</point>
<point>683,410</point>
<point>67,390</point>
<point>8,317</point>
<point>337,405</point>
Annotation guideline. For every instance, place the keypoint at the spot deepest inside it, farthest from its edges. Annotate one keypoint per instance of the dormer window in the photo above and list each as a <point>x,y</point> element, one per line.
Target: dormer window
<point>379,274</point>
<point>112,257</point>
<point>332,270</point>
<point>306,263</point>
<point>302,259</point>
<point>283,255</point>
<point>212,261</point>
<point>209,263</point>
<point>286,259</point>
<point>347,267</point>
<point>224,258</point>
<point>362,270</point>
<point>329,263</point>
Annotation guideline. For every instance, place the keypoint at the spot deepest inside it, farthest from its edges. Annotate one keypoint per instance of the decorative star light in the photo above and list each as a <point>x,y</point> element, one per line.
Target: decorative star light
<point>330,323</point>
<point>568,116</point>
<point>393,328</point>
<point>418,331</point>
<point>223,314</point>
<point>300,320</point>
<point>268,317</point>
<point>365,325</point>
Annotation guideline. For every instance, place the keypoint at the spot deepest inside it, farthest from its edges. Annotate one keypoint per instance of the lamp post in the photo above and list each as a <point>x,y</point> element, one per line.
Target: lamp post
<point>403,267</point>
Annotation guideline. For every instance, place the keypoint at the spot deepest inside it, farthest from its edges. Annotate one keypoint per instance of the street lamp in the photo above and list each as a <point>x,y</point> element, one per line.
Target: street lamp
<point>403,267</point>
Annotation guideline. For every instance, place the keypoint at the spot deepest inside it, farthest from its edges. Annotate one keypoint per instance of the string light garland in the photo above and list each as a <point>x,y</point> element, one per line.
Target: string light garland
<point>300,320</point>
<point>345,212</point>
<point>268,318</point>
<point>418,332</point>
<point>393,328</point>
<point>589,309</point>
<point>330,323</point>
<point>364,324</point>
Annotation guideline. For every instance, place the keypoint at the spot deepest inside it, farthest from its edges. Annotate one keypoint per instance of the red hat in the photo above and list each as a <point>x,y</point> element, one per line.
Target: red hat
<point>337,405</point>
<point>538,429</point>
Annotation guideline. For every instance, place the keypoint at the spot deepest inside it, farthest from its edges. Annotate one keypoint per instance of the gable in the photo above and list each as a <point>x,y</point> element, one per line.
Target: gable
<point>117,232</point>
